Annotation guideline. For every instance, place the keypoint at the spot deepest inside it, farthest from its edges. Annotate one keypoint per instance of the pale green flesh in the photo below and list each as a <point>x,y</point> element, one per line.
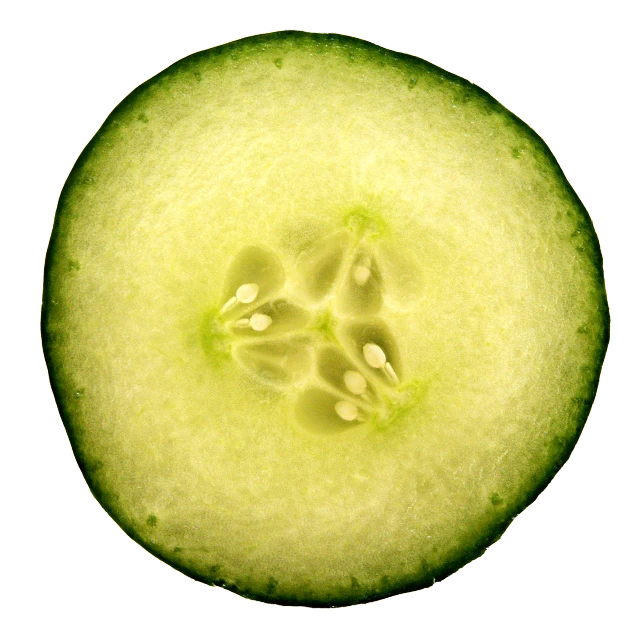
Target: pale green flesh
<point>483,277</point>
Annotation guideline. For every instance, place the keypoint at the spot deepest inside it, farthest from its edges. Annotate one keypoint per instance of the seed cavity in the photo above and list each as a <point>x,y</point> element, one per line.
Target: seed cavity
<point>260,321</point>
<point>355,382</point>
<point>253,276</point>
<point>346,410</point>
<point>318,267</point>
<point>280,360</point>
<point>371,344</point>
<point>361,292</point>
<point>276,338</point>
<point>404,278</point>
<point>338,370</point>
<point>317,410</point>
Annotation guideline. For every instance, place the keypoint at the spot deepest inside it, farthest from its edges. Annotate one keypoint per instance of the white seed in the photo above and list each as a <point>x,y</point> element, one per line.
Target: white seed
<point>260,321</point>
<point>346,410</point>
<point>374,355</point>
<point>243,323</point>
<point>355,382</point>
<point>231,302</point>
<point>247,293</point>
<point>361,275</point>
<point>391,373</point>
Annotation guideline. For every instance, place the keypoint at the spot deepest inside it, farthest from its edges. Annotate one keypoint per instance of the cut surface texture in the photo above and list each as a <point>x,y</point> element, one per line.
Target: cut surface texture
<point>320,318</point>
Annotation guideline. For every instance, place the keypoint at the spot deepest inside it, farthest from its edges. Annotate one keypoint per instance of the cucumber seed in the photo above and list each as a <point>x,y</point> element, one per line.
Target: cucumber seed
<point>247,293</point>
<point>388,369</point>
<point>229,304</point>
<point>361,275</point>
<point>260,321</point>
<point>346,410</point>
<point>374,355</point>
<point>376,358</point>
<point>355,382</point>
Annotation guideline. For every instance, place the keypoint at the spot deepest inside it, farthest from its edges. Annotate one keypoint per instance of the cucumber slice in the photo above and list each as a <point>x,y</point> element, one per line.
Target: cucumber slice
<point>320,318</point>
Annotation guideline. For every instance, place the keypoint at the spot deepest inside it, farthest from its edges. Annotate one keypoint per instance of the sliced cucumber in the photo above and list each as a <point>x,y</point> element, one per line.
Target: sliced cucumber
<point>320,318</point>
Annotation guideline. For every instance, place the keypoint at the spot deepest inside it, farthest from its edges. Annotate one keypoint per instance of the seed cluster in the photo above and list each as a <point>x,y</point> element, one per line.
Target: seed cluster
<point>334,324</point>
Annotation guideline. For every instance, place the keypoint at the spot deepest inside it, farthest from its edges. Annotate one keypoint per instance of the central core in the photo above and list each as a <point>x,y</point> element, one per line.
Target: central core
<point>320,330</point>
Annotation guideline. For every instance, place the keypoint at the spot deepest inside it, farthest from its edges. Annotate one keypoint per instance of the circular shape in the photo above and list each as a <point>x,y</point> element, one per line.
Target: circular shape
<point>320,318</point>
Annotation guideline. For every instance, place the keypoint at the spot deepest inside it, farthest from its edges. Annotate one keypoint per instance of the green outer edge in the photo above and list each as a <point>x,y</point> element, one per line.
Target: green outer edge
<point>491,536</point>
